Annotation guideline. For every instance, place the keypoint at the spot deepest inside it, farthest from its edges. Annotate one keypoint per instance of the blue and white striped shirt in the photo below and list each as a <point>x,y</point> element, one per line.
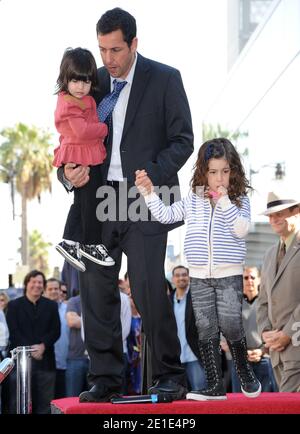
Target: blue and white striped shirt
<point>214,244</point>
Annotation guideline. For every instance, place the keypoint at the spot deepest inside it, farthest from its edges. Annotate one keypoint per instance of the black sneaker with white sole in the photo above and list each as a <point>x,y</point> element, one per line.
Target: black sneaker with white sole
<point>250,385</point>
<point>97,254</point>
<point>214,393</point>
<point>71,254</point>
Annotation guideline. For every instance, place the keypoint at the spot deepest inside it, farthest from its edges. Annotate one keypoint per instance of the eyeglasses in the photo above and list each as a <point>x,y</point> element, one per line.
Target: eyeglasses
<point>249,277</point>
<point>64,292</point>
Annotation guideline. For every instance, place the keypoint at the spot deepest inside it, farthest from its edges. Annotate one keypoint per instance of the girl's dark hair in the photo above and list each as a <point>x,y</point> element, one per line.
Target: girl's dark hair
<point>31,274</point>
<point>117,19</point>
<point>221,148</point>
<point>77,64</point>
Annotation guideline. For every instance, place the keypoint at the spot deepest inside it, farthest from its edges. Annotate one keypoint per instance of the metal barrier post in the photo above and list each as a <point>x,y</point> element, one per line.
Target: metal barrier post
<point>23,357</point>
<point>24,400</point>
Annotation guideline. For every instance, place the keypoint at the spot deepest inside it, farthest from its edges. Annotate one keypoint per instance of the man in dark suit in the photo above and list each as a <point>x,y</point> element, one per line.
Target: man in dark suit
<point>152,130</point>
<point>33,320</point>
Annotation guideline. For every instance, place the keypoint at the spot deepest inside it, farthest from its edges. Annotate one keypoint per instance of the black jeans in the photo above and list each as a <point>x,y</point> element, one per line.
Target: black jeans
<point>82,224</point>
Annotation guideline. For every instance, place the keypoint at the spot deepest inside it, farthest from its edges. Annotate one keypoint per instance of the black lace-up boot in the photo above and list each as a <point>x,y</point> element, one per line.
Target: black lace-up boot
<point>210,352</point>
<point>250,385</point>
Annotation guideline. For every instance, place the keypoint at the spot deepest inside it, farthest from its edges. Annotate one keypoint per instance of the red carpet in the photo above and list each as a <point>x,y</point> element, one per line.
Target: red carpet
<point>266,403</point>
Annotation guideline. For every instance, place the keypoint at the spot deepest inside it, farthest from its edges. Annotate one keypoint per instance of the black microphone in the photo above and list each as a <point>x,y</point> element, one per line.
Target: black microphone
<point>140,399</point>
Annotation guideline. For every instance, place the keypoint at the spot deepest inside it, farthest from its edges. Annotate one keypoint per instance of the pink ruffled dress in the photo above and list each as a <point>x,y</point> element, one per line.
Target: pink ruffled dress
<point>81,133</point>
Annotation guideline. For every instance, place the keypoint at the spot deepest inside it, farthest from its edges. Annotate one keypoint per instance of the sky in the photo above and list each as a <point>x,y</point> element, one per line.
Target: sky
<point>34,35</point>
<point>190,36</point>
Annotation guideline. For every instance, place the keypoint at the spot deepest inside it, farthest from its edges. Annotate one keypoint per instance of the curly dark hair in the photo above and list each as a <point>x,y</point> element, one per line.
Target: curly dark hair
<point>221,148</point>
<point>77,64</point>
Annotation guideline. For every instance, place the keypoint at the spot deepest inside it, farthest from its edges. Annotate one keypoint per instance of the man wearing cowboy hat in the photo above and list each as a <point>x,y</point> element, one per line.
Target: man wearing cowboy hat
<point>278,314</point>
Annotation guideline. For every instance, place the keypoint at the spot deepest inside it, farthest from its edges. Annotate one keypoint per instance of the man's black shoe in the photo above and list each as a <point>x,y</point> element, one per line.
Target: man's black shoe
<point>98,393</point>
<point>168,387</point>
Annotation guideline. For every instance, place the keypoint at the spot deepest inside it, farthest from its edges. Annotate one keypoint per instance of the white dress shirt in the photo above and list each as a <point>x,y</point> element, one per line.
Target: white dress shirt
<point>115,172</point>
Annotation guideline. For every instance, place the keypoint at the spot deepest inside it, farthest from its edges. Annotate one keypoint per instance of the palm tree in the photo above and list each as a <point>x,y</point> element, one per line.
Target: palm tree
<point>210,131</point>
<point>38,252</point>
<point>26,162</point>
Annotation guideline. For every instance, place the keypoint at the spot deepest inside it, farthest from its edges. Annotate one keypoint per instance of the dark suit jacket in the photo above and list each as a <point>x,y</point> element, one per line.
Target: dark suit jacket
<point>30,324</point>
<point>190,325</point>
<point>157,134</point>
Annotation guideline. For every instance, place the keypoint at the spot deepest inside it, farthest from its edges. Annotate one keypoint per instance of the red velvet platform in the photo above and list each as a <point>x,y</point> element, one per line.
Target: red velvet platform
<point>237,403</point>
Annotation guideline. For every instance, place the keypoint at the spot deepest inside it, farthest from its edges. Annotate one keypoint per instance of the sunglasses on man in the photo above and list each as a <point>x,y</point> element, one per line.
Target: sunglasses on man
<point>249,277</point>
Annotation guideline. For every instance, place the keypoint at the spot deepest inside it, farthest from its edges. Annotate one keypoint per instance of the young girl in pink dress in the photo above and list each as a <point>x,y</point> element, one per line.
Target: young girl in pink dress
<point>81,143</point>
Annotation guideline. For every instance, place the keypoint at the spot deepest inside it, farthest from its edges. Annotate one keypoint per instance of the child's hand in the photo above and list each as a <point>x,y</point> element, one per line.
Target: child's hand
<point>222,191</point>
<point>216,195</point>
<point>213,194</point>
<point>143,182</point>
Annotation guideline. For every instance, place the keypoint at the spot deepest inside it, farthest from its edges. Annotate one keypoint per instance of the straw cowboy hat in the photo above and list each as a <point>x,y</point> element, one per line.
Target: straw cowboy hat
<point>277,202</point>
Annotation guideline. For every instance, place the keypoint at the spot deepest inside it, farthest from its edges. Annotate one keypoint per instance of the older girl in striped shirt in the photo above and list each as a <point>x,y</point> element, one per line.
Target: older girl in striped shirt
<point>217,212</point>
